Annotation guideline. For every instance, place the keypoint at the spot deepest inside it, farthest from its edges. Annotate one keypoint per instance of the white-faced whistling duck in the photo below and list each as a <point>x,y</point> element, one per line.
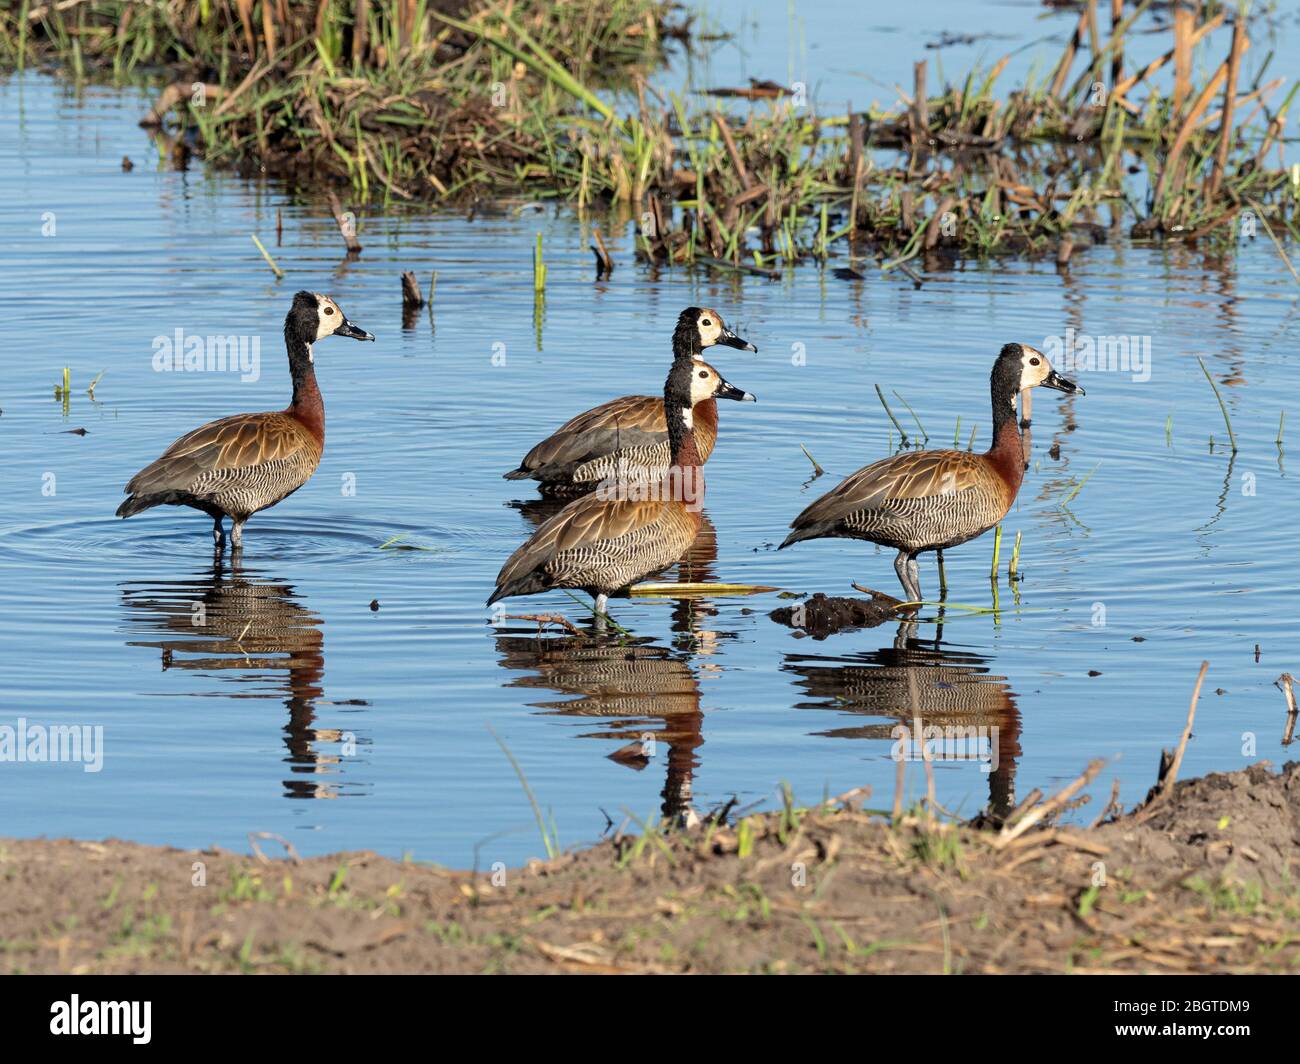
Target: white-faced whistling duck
<point>605,541</point>
<point>629,436</point>
<point>929,500</point>
<point>239,465</point>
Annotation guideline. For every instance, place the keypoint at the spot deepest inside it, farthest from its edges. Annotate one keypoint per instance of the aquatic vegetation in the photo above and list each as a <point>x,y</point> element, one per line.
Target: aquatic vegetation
<point>408,100</point>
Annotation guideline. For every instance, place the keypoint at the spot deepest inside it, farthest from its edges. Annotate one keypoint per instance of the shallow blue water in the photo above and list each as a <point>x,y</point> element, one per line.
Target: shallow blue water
<point>293,689</point>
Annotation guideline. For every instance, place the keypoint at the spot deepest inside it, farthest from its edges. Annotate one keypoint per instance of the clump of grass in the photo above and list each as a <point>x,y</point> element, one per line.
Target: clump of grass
<point>405,102</point>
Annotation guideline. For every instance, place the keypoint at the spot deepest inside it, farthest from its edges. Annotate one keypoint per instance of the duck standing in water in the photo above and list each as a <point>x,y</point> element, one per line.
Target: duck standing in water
<point>628,436</point>
<point>931,500</point>
<point>627,529</point>
<point>237,466</point>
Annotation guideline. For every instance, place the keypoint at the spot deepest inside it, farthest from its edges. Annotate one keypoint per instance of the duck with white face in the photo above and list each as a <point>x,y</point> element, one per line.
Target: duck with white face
<point>930,500</point>
<point>633,526</point>
<point>629,436</point>
<point>237,466</point>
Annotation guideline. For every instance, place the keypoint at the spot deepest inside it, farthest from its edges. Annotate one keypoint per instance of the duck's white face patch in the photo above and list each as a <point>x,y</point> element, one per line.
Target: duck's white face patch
<point>1034,367</point>
<point>710,327</point>
<point>328,316</point>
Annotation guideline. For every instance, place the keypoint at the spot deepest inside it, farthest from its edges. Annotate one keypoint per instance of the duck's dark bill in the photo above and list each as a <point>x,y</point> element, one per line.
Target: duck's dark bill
<point>348,329</point>
<point>1062,384</point>
<point>727,390</point>
<point>730,339</point>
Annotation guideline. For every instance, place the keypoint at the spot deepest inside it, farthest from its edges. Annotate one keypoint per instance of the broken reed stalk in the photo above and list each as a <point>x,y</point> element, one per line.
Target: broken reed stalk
<point>347,226</point>
<point>1194,38</point>
<point>1116,36</point>
<point>1168,778</point>
<point>539,267</point>
<point>1014,566</point>
<point>920,103</point>
<point>891,416</point>
<point>1286,259</point>
<point>1227,421</point>
<point>1171,172</point>
<point>807,454</point>
<point>1239,45</point>
<point>997,553</point>
<point>925,436</point>
<point>1184,21</point>
<point>279,273</point>
<point>604,264</point>
<point>1284,682</point>
<point>900,773</point>
<point>412,299</point>
<point>1013,830</point>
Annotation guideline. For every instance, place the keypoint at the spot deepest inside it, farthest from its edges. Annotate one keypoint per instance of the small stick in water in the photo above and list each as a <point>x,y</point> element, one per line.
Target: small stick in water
<point>1232,439</point>
<point>997,553</point>
<point>539,267</point>
<point>604,264</point>
<point>279,273</point>
<point>346,223</point>
<point>411,297</point>
<point>891,415</point>
<point>816,468</point>
<point>1284,682</point>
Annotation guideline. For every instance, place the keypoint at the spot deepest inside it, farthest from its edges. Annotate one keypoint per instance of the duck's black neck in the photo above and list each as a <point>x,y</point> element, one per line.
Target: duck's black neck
<point>679,415</point>
<point>307,405</point>
<point>301,368</point>
<point>1003,387</point>
<point>686,337</point>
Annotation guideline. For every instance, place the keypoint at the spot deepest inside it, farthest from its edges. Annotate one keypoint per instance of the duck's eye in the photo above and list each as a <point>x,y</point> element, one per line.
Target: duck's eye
<point>704,374</point>
<point>1033,361</point>
<point>329,310</point>
<point>705,321</point>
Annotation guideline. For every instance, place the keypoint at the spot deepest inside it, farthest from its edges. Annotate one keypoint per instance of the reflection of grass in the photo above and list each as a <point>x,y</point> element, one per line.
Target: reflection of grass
<point>550,834</point>
<point>392,544</point>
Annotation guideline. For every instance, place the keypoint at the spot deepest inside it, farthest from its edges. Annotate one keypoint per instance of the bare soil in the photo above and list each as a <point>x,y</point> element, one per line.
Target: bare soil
<point>1203,882</point>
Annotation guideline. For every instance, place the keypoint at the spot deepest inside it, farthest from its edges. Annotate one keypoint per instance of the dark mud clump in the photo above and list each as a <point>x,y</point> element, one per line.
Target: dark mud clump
<point>824,615</point>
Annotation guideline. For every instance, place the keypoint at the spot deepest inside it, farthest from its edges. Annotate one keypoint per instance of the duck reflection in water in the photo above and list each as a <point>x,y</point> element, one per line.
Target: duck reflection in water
<point>646,694</point>
<point>232,625</point>
<point>925,684</point>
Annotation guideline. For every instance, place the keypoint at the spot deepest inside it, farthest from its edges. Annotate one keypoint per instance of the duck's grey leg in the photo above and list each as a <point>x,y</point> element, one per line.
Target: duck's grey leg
<point>908,575</point>
<point>218,534</point>
<point>237,533</point>
<point>914,572</point>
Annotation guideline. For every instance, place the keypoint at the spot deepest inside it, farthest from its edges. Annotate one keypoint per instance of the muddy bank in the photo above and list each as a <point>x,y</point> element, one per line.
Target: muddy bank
<point>1205,882</point>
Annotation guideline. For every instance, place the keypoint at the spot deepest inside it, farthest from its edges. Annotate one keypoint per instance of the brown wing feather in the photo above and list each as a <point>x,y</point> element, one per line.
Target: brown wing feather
<point>590,523</point>
<point>572,442</point>
<point>911,475</point>
<point>238,442</point>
